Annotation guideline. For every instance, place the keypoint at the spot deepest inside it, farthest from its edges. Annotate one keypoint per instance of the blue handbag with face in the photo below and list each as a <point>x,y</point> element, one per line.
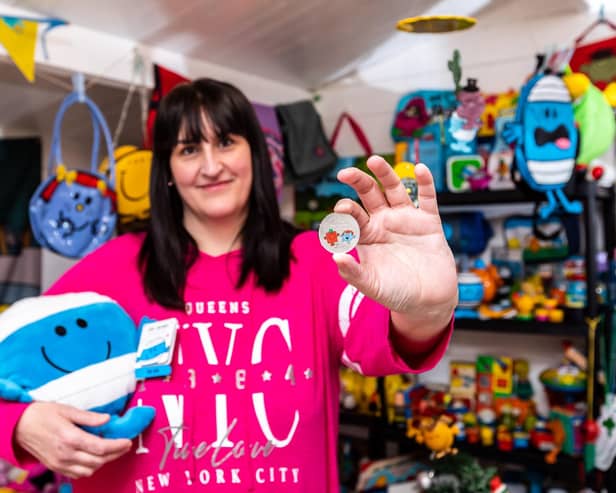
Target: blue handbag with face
<point>74,211</point>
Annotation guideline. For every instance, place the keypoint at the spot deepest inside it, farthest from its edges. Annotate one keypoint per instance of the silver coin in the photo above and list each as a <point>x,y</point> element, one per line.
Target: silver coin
<point>338,233</point>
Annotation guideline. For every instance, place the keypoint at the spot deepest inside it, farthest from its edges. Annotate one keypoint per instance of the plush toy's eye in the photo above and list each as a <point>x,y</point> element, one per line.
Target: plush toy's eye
<point>82,323</point>
<point>89,200</point>
<point>61,331</point>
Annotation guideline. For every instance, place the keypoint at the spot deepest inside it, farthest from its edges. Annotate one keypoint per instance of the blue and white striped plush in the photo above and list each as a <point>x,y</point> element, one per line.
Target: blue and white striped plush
<point>77,349</point>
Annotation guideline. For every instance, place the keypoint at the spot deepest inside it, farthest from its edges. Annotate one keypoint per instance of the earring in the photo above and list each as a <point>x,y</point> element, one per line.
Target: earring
<point>169,183</point>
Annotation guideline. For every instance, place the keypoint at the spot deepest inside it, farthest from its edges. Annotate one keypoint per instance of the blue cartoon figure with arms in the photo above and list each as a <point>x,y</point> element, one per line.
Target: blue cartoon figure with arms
<point>546,140</point>
<point>77,349</point>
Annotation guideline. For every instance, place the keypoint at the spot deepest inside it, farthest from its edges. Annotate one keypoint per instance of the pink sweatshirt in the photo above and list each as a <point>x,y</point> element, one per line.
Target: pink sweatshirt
<point>252,404</point>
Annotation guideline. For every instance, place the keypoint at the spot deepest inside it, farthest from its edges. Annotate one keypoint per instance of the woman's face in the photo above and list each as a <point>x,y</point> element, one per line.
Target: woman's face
<point>213,178</point>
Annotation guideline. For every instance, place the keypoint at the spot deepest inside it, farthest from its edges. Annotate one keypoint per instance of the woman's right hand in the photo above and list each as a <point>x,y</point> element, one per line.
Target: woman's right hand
<point>50,432</point>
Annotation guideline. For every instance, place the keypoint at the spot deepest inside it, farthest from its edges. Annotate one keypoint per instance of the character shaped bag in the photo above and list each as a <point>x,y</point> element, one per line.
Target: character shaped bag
<point>77,349</point>
<point>546,140</point>
<point>74,212</point>
<point>132,170</point>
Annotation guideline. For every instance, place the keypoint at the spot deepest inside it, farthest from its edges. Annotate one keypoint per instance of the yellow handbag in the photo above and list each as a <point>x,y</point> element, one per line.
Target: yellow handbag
<point>132,172</point>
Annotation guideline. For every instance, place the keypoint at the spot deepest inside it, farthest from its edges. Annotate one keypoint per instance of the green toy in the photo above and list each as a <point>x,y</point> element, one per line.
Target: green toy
<point>456,71</point>
<point>593,115</point>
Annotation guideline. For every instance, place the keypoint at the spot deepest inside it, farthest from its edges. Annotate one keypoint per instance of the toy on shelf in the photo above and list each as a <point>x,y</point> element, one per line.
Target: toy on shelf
<point>436,433</point>
<point>470,289</point>
<point>387,472</point>
<point>572,420</point>
<point>500,159</point>
<point>466,172</point>
<point>462,378</point>
<point>496,106</point>
<point>595,119</point>
<point>521,383</point>
<point>358,392</point>
<point>492,282</point>
<point>465,121</point>
<point>545,140</point>
<point>564,384</point>
<point>406,170</point>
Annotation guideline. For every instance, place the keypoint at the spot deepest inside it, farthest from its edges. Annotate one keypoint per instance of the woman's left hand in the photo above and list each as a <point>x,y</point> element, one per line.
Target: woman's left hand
<point>405,261</point>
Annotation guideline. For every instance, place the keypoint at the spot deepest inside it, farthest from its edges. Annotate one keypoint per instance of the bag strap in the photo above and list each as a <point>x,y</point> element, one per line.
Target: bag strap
<point>601,20</point>
<point>359,133</point>
<point>98,123</point>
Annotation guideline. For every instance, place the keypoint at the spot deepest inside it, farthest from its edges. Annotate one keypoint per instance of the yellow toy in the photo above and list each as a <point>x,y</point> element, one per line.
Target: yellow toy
<point>132,172</point>
<point>358,392</point>
<point>496,106</point>
<point>437,433</point>
<point>406,172</point>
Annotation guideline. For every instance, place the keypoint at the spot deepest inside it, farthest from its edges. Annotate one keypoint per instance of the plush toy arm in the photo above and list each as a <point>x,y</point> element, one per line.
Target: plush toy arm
<point>512,132</point>
<point>132,423</point>
<point>10,391</point>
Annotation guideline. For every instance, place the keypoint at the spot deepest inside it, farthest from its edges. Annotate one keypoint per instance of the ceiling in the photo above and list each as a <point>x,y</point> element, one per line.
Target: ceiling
<point>305,43</point>
<point>31,108</point>
<point>297,42</point>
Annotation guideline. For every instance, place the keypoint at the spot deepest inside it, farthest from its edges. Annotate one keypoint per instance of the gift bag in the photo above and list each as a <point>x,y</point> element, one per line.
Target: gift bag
<point>73,212</point>
<point>315,201</point>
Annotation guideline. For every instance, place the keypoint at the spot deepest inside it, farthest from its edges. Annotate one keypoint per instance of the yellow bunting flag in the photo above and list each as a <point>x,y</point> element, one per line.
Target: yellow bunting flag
<point>19,40</point>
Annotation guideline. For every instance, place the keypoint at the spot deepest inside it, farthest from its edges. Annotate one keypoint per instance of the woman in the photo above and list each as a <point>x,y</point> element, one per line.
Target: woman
<point>265,315</point>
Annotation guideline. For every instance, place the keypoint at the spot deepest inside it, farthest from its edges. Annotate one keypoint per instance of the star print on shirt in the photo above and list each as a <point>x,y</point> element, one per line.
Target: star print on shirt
<point>216,378</point>
<point>266,376</point>
<point>308,373</point>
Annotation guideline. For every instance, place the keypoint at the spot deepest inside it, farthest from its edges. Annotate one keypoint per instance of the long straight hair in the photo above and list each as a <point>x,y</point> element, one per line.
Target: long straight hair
<point>168,250</point>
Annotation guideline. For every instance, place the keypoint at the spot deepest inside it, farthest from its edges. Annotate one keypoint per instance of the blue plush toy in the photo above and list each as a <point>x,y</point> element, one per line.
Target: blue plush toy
<point>545,139</point>
<point>77,349</point>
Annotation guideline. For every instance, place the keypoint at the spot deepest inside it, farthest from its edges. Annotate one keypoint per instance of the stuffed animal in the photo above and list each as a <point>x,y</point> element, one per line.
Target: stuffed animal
<point>77,349</point>
<point>594,117</point>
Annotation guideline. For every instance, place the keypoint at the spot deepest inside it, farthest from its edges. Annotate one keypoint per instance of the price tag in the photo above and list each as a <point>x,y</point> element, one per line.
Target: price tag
<point>155,349</point>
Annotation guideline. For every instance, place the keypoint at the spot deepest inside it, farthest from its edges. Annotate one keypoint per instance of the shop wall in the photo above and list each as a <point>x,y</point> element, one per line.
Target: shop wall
<point>500,52</point>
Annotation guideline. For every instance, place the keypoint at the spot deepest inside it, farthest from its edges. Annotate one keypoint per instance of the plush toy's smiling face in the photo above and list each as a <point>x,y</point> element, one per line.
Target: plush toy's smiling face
<point>73,339</point>
<point>67,339</point>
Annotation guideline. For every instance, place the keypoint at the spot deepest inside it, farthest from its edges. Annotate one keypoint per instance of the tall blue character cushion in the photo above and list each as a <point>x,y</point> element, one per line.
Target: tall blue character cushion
<point>77,349</point>
<point>546,140</point>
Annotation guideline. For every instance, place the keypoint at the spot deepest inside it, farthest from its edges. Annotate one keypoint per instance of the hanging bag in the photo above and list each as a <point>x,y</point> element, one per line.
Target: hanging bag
<point>313,202</point>
<point>308,154</point>
<point>73,211</point>
<point>330,186</point>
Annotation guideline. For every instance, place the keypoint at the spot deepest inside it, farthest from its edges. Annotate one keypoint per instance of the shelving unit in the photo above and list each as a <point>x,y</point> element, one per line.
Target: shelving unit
<point>567,468</point>
<point>513,326</point>
<point>598,202</point>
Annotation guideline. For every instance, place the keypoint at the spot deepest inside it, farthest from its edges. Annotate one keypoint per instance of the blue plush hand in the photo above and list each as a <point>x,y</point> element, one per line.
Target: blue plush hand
<point>132,423</point>
<point>512,132</point>
<point>10,391</point>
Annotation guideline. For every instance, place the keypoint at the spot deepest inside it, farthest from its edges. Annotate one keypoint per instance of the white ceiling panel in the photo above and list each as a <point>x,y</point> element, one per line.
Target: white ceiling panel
<point>297,42</point>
